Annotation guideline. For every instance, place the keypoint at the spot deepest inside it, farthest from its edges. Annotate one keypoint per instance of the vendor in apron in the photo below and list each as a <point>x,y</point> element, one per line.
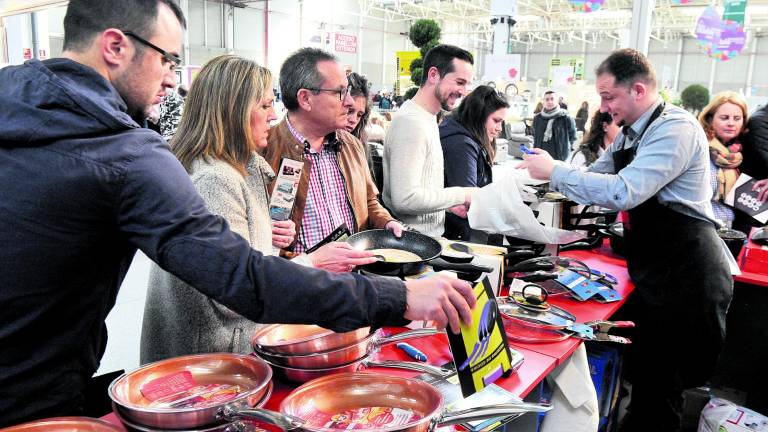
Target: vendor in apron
<point>658,170</point>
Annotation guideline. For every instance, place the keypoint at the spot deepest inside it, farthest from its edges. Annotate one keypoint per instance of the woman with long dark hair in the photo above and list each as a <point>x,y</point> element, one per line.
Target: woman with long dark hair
<point>360,112</point>
<point>601,134</point>
<point>468,137</point>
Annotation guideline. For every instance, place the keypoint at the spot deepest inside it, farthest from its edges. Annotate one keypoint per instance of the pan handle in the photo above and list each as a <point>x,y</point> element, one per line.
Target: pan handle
<point>410,334</point>
<point>414,366</point>
<point>490,411</point>
<point>284,421</point>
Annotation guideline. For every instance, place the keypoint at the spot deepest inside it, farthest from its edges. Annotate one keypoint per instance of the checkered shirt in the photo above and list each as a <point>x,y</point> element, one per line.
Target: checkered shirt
<point>327,205</point>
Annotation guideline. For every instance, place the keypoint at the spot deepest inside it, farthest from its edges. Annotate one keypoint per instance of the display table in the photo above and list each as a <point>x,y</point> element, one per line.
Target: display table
<point>540,359</point>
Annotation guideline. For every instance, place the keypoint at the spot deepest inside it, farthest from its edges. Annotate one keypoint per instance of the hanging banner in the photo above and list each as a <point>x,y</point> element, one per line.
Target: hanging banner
<point>722,39</point>
<point>587,5</point>
<point>734,11</point>
<point>563,71</point>
<point>346,43</point>
<point>680,2</point>
<point>505,66</point>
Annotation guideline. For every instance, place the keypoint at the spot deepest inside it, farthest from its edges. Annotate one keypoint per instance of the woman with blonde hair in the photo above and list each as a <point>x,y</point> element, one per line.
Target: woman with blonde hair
<point>723,120</point>
<point>225,123</point>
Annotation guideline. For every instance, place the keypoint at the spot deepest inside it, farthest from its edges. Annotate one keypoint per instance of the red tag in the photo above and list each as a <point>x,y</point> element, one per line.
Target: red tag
<point>168,385</point>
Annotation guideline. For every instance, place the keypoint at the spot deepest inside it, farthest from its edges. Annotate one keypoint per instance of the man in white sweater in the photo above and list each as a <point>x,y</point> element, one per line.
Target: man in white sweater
<point>413,157</point>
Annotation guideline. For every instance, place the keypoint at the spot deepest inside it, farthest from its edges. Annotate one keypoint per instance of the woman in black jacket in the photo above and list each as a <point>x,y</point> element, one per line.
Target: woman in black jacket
<point>468,137</point>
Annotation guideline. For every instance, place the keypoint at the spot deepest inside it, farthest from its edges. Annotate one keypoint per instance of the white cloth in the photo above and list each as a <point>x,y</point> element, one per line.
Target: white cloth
<point>413,171</point>
<point>574,400</point>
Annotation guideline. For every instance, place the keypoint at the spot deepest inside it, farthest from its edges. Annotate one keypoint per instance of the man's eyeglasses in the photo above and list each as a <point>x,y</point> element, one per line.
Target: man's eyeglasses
<point>343,93</point>
<point>171,59</point>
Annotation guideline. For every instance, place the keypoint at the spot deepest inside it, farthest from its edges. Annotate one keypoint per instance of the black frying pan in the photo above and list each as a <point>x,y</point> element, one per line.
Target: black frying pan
<point>427,248</point>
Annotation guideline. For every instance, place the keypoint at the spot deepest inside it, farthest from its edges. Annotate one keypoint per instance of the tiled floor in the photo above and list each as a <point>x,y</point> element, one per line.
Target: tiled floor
<point>124,321</point>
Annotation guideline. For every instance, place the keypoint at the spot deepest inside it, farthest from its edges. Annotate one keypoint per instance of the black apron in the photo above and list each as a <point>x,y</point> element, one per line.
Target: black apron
<point>683,289</point>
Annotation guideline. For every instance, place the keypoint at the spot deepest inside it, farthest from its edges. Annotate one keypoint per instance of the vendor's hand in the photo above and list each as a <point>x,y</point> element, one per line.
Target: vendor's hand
<point>539,165</point>
<point>283,233</point>
<point>340,257</point>
<point>396,227</point>
<point>459,210</point>
<point>442,299</point>
<point>761,187</point>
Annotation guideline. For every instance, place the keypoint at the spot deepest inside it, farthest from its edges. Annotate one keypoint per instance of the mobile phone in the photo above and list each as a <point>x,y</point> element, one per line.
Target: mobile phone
<point>525,149</point>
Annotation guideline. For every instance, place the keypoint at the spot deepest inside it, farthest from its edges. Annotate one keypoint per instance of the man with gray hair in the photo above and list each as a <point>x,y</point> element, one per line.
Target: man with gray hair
<point>336,186</point>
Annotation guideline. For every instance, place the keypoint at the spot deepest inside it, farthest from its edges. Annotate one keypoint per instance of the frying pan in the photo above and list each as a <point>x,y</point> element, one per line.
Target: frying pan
<point>427,248</point>
<point>326,404</point>
<point>84,424</point>
<point>343,355</point>
<point>301,375</point>
<point>300,339</point>
<point>246,371</point>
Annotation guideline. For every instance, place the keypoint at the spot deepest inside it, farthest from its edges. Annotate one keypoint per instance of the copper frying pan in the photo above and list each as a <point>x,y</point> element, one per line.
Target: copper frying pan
<point>381,403</point>
<point>250,373</point>
<point>299,339</point>
<point>59,424</point>
<point>343,355</point>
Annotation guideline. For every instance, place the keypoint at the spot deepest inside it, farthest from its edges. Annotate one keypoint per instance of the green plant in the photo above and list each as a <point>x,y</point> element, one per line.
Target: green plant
<point>428,46</point>
<point>423,31</point>
<point>416,75</point>
<point>416,64</point>
<point>695,97</point>
<point>410,93</point>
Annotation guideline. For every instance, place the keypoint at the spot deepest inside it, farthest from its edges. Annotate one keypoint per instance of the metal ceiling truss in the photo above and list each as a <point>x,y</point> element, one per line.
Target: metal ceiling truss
<point>556,21</point>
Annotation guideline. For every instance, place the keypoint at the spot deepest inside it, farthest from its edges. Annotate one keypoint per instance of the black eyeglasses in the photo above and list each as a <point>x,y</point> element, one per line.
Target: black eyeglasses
<point>172,59</point>
<point>343,93</point>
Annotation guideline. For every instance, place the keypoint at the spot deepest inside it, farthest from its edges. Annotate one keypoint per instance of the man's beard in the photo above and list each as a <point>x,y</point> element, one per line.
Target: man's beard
<point>443,100</point>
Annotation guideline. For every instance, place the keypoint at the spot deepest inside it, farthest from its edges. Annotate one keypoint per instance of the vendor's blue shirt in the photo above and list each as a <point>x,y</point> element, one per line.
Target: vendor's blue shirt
<point>671,163</point>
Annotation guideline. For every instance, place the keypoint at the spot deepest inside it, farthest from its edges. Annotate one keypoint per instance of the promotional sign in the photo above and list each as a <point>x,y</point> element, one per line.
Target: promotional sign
<point>346,43</point>
<point>27,53</point>
<point>587,5</point>
<point>403,61</point>
<point>505,66</point>
<point>722,39</point>
<point>563,71</point>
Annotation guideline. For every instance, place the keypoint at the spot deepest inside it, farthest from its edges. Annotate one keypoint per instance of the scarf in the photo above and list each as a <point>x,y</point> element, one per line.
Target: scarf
<point>550,116</point>
<point>727,159</point>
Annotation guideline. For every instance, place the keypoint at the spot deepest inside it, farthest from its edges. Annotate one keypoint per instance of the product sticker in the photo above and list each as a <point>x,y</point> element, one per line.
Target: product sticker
<point>200,396</point>
<point>366,418</point>
<point>286,187</point>
<point>168,385</point>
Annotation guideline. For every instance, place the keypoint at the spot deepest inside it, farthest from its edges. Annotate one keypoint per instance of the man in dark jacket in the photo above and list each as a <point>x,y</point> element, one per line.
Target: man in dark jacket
<point>554,130</point>
<point>84,186</point>
<point>755,149</point>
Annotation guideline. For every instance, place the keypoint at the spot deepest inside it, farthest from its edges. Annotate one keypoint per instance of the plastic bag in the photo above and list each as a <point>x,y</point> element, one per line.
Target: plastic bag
<point>499,208</point>
<point>720,415</point>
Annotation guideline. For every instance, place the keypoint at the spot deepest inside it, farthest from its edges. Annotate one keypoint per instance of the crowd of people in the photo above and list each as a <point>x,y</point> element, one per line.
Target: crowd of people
<point>87,185</point>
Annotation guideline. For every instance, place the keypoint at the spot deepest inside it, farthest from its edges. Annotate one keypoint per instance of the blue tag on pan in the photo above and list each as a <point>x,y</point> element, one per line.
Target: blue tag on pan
<point>581,286</point>
<point>607,295</point>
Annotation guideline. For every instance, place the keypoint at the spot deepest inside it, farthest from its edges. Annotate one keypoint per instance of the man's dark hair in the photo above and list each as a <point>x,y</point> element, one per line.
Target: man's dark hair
<point>549,92</point>
<point>299,71</point>
<point>628,66</point>
<point>86,18</point>
<point>442,57</point>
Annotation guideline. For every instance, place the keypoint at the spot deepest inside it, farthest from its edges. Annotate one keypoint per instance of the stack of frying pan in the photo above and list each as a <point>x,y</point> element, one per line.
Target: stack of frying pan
<point>299,353</point>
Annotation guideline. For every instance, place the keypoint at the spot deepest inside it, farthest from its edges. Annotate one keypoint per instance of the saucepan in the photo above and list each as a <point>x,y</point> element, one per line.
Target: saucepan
<point>343,355</point>
<point>251,375</point>
<point>373,402</point>
<point>80,424</point>
<point>301,339</point>
<point>426,248</point>
<point>302,375</point>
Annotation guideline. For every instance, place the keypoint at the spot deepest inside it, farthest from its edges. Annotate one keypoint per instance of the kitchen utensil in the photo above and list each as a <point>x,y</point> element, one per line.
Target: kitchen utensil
<point>79,424</point>
<point>427,248</point>
<point>300,339</point>
<point>343,355</point>
<point>248,372</point>
<point>366,402</point>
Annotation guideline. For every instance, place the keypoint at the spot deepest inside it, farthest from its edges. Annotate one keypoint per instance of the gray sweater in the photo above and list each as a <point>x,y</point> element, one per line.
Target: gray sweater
<point>178,319</point>
<point>413,171</point>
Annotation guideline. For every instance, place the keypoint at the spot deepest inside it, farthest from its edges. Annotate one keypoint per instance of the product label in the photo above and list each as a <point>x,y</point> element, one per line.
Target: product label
<point>366,418</point>
<point>200,396</point>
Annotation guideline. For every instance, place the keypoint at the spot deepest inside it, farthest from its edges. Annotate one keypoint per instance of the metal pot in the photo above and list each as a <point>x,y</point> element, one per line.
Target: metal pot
<point>247,371</point>
<point>80,424</point>
<point>343,355</point>
<point>312,406</point>
<point>299,339</point>
<point>427,248</point>
<point>301,375</point>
